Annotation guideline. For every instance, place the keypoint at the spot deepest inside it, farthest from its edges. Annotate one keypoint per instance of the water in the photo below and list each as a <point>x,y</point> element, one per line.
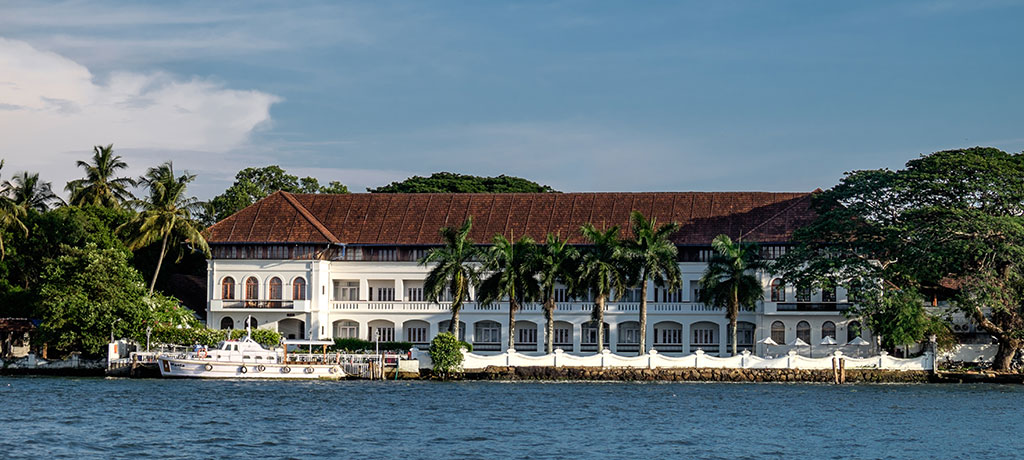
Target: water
<point>96,418</point>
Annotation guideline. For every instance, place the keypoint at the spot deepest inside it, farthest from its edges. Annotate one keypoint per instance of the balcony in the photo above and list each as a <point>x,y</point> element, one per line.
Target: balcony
<point>628,308</point>
<point>259,305</point>
<point>813,306</point>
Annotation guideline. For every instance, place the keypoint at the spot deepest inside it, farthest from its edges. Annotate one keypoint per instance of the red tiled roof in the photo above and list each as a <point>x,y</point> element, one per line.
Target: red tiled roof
<point>414,219</point>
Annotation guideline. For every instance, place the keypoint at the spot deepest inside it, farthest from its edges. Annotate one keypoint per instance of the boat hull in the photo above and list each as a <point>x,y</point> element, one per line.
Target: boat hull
<point>209,369</point>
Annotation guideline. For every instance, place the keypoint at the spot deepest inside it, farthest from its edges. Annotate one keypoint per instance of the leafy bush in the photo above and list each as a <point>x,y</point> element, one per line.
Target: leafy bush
<point>206,336</point>
<point>446,353</point>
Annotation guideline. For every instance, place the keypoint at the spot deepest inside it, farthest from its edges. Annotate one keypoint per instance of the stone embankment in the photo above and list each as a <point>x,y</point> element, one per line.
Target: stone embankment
<point>694,375</point>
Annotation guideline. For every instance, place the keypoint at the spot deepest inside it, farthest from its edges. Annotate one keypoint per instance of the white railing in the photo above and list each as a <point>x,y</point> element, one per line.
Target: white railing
<point>532,307</point>
<point>699,359</point>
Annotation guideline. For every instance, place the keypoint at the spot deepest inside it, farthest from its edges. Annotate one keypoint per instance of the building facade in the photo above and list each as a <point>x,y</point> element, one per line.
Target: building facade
<point>330,266</point>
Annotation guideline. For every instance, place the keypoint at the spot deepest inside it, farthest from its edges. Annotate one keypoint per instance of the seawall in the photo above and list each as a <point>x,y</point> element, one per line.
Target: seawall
<point>693,374</point>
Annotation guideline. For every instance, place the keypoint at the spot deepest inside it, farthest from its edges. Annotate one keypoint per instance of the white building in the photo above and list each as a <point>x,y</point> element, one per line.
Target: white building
<point>327,266</point>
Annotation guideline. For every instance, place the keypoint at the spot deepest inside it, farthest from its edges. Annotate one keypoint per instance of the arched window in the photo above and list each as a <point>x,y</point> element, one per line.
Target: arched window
<point>227,288</point>
<point>828,329</point>
<point>778,290</point>
<point>299,289</point>
<point>828,294</point>
<point>252,322</point>
<point>227,323</point>
<point>252,288</point>
<point>487,332</point>
<point>275,288</point>
<point>803,293</point>
<point>803,331</point>
<point>779,333</point>
<point>853,331</point>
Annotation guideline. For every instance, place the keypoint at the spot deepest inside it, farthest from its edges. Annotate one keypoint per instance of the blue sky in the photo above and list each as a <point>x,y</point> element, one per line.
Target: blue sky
<point>584,96</point>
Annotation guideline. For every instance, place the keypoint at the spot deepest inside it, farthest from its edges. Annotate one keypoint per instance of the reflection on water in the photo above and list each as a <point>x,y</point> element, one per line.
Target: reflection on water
<point>81,418</point>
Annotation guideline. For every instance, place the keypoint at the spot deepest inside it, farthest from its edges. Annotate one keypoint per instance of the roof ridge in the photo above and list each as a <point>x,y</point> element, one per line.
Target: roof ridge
<point>795,202</point>
<point>309,217</point>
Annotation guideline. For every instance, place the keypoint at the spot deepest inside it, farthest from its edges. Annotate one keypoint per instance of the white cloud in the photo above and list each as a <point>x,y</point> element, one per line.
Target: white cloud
<point>51,106</point>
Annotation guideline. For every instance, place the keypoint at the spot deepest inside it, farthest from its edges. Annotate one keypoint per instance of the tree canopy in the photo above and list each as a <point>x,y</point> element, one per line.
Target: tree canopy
<point>253,184</point>
<point>446,182</point>
<point>950,221</point>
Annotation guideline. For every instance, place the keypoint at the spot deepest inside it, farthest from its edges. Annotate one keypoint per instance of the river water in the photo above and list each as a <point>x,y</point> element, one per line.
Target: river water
<point>43,417</point>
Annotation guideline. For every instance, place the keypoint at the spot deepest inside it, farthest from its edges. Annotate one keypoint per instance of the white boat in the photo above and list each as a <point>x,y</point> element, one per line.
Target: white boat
<point>246,359</point>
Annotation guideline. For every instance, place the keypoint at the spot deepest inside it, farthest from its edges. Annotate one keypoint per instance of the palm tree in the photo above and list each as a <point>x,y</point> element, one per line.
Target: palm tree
<point>10,214</point>
<point>512,271</point>
<point>729,280</point>
<point>653,256</point>
<point>604,271</point>
<point>29,192</point>
<point>454,271</point>
<point>100,187</point>
<point>557,262</point>
<point>167,215</point>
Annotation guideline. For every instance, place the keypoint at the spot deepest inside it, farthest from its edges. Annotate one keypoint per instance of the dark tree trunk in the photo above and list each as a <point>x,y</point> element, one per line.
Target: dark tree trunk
<point>513,306</point>
<point>599,318</point>
<point>1007,350</point>
<point>159,262</point>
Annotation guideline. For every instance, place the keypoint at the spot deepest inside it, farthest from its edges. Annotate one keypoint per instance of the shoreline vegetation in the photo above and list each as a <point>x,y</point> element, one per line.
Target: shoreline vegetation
<point>945,231</point>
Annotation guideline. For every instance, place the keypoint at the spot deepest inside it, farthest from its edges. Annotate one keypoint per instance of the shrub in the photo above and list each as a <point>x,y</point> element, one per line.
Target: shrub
<point>446,354</point>
<point>353,345</point>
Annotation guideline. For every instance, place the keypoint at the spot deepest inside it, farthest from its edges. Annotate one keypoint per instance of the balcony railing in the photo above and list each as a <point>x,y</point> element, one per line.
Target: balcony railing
<point>532,307</point>
<point>246,304</point>
<point>812,306</point>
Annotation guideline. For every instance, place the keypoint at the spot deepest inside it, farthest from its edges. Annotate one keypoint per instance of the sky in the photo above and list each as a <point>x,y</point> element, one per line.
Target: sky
<point>579,95</point>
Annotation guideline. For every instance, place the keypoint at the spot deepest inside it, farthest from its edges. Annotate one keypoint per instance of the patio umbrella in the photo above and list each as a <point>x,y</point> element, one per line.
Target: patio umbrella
<point>800,343</point>
<point>767,341</point>
<point>828,340</point>
<point>859,342</point>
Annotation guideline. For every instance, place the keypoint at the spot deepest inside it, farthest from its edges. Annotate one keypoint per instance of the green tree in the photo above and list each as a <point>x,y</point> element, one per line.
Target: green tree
<point>100,187</point>
<point>446,354</point>
<point>446,182</point>
<point>253,184</point>
<point>729,279</point>
<point>10,215</point>
<point>29,192</point>
<point>652,255</point>
<point>511,273</point>
<point>455,268</point>
<point>953,218</point>
<point>558,262</point>
<point>166,216</point>
<point>87,294</point>
<point>604,271</point>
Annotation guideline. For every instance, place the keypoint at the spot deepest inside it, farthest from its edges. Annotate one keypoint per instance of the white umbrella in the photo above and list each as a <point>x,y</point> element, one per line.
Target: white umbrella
<point>859,342</point>
<point>798,343</point>
<point>828,340</point>
<point>767,341</point>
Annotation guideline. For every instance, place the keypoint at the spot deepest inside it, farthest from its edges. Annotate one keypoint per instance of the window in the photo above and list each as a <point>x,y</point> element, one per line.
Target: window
<point>227,288</point>
<point>384,294</point>
<point>275,288</point>
<point>589,330</point>
<point>346,290</point>
<point>630,295</point>
<point>252,288</point>
<point>828,329</point>
<point>779,333</point>
<point>252,322</point>
<point>828,294</point>
<point>778,290</point>
<point>526,335</point>
<point>563,335</point>
<point>443,326</point>
<point>385,329</point>
<point>803,331</point>
<point>803,294</point>
<point>668,296</point>
<point>853,330</point>
<point>629,333</point>
<point>561,295</point>
<point>227,323</point>
<point>346,329</point>
<point>744,335</point>
<point>773,252</point>
<point>487,332</point>
<point>703,334</point>
<point>299,289</point>
<point>669,333</point>
<point>416,332</point>
<point>414,294</point>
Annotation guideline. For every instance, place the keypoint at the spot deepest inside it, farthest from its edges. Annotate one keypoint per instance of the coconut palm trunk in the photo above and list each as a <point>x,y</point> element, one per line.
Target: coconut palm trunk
<point>599,318</point>
<point>734,312</point>
<point>159,263</point>
<point>513,307</point>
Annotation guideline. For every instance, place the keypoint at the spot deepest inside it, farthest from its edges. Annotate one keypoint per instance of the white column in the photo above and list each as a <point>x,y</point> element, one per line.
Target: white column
<point>649,333</point>
<point>686,337</point>
<point>577,335</point>
<point>724,345</point>
<point>613,336</point>
<point>399,290</point>
<point>364,289</point>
